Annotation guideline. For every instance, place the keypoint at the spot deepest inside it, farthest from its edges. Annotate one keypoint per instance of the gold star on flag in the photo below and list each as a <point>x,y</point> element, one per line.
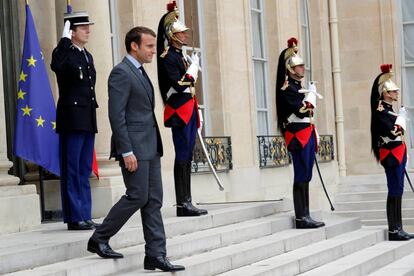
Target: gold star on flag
<point>54,125</point>
<point>20,94</point>
<point>26,110</point>
<point>40,121</point>
<point>31,62</point>
<point>23,76</point>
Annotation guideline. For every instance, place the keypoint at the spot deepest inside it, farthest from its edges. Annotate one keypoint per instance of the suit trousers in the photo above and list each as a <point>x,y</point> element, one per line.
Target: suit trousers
<point>143,191</point>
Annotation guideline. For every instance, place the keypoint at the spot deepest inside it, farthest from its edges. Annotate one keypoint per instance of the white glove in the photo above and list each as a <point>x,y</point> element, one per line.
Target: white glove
<point>67,32</point>
<point>200,116</point>
<point>401,121</point>
<point>402,118</point>
<point>311,94</point>
<point>194,67</point>
<point>318,137</point>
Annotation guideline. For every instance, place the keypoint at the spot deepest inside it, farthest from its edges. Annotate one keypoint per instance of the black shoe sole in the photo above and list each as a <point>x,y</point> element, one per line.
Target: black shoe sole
<point>183,214</point>
<point>148,267</point>
<point>93,250</point>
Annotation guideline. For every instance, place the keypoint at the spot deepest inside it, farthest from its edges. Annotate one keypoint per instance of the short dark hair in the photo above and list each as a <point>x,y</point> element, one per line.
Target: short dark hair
<point>135,35</point>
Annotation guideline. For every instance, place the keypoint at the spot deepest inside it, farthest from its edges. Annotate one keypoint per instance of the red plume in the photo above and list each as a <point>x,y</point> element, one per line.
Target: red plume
<point>171,6</point>
<point>386,68</point>
<point>292,41</point>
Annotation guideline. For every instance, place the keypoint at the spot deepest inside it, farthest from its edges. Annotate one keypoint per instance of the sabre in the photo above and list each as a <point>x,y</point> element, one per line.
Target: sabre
<point>409,180</point>
<point>200,137</point>
<point>323,184</point>
<point>210,164</point>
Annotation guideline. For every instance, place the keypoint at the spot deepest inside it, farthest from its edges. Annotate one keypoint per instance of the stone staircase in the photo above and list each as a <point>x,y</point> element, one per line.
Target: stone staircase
<point>365,197</point>
<point>243,239</point>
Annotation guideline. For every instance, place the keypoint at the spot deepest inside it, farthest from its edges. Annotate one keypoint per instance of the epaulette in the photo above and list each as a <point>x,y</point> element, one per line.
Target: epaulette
<point>380,106</point>
<point>285,84</point>
<point>165,52</point>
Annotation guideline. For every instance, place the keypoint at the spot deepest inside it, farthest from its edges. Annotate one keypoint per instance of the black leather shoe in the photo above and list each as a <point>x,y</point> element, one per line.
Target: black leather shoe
<point>308,223</point>
<point>409,235</point>
<point>397,235</point>
<point>187,209</point>
<point>162,263</point>
<point>318,223</point>
<point>103,250</point>
<point>81,225</point>
<point>94,224</point>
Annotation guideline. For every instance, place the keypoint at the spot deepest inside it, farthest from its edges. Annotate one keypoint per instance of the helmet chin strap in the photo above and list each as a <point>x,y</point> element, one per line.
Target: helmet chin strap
<point>178,40</point>
<point>392,97</point>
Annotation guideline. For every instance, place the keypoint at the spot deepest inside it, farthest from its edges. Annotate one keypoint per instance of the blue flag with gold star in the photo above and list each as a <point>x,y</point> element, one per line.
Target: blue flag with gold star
<point>35,139</point>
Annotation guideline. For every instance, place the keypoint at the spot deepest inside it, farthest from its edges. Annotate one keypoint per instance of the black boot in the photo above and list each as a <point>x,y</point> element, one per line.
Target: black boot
<point>307,209</point>
<point>299,202</point>
<point>394,234</point>
<point>185,208</point>
<point>399,219</point>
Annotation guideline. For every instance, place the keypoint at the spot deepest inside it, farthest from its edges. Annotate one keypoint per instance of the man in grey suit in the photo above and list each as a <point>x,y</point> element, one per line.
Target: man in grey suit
<point>136,144</point>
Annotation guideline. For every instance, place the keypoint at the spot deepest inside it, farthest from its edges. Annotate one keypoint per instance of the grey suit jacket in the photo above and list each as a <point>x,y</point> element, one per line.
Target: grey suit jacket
<point>131,113</point>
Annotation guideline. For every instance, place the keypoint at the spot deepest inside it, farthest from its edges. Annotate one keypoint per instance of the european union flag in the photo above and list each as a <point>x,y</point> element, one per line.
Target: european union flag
<point>35,138</point>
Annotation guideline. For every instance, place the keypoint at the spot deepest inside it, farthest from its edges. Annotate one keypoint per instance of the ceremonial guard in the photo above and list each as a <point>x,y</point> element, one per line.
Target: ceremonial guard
<point>295,110</point>
<point>176,77</point>
<point>388,146</point>
<point>75,119</point>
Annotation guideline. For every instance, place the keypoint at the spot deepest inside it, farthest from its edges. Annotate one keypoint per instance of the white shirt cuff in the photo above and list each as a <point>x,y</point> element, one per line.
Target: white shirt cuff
<point>127,154</point>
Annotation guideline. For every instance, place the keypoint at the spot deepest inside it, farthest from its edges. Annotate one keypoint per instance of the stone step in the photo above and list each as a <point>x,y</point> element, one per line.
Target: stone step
<point>314,255</point>
<point>367,260</point>
<point>360,187</point>
<point>374,214</point>
<point>178,247</point>
<point>54,244</point>
<point>375,222</point>
<point>370,205</point>
<point>401,267</point>
<point>232,257</point>
<point>363,179</point>
<point>367,196</point>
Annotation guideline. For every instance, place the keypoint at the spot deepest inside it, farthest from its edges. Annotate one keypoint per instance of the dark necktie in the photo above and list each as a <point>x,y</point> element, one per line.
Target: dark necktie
<point>141,68</point>
<point>86,56</point>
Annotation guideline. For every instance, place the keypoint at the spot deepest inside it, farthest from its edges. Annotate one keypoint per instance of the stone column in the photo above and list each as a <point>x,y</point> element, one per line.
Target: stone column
<point>19,204</point>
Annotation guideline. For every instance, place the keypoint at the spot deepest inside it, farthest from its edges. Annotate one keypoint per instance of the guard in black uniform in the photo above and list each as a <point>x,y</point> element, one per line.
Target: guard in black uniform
<point>75,119</point>
<point>176,77</point>
<point>295,111</point>
<point>388,146</point>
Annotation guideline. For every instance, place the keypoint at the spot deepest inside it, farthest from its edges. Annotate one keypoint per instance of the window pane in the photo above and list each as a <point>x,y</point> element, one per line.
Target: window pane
<point>259,82</point>
<point>191,21</point>
<point>262,123</point>
<point>409,43</point>
<point>407,10</point>
<point>255,4</point>
<point>257,35</point>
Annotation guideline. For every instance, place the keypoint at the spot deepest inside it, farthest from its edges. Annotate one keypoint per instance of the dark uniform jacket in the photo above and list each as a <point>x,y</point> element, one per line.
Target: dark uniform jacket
<point>293,101</point>
<point>172,71</point>
<point>76,77</point>
<point>391,152</point>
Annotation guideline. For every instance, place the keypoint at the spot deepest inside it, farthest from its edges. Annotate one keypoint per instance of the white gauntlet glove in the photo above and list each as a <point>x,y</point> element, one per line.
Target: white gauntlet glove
<point>67,32</point>
<point>200,116</point>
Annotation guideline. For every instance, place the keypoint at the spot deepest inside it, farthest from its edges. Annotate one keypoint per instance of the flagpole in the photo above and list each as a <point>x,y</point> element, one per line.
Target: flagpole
<point>27,2</point>
<point>68,6</point>
<point>42,195</point>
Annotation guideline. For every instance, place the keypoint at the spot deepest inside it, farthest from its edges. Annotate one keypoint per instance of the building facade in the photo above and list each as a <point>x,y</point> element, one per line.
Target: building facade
<point>342,42</point>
